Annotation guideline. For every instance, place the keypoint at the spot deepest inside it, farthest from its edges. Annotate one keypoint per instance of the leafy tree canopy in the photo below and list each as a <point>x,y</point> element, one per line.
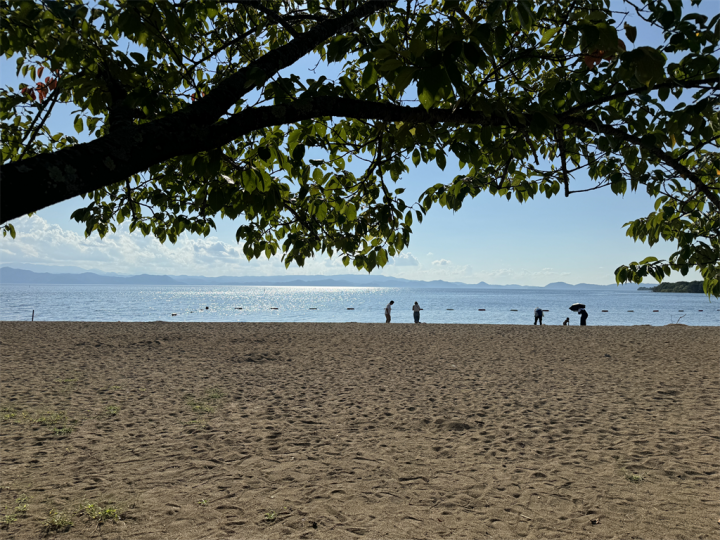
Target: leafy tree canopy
<point>193,111</point>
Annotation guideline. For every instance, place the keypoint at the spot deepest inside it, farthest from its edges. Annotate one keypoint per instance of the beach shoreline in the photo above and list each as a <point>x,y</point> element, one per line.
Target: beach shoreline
<point>342,430</point>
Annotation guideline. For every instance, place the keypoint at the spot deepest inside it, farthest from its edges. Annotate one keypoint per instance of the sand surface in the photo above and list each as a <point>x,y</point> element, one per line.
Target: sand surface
<point>333,431</point>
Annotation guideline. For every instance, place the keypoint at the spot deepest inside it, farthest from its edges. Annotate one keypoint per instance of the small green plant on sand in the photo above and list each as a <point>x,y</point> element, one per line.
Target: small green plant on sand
<point>112,410</point>
<point>199,407</point>
<point>202,502</point>
<point>51,418</point>
<point>8,413</point>
<point>21,505</point>
<point>205,404</point>
<point>634,478</point>
<point>57,522</point>
<point>214,393</point>
<point>21,508</point>
<point>100,514</point>
<point>270,516</point>
<point>62,431</point>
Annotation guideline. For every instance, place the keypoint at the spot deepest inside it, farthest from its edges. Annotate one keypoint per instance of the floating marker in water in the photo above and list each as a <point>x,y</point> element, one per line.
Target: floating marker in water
<point>699,309</point>
<point>481,310</point>
<point>312,308</point>
<point>238,308</point>
<point>174,314</point>
<point>273,308</point>
<point>207,307</point>
<point>351,308</point>
<point>544,310</point>
<point>604,310</point>
<point>449,309</point>
<point>630,311</point>
<point>656,310</point>
<point>513,310</point>
<point>681,310</point>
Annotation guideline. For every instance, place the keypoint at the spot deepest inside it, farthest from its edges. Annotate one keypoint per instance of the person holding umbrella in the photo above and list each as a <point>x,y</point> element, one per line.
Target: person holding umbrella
<point>580,309</point>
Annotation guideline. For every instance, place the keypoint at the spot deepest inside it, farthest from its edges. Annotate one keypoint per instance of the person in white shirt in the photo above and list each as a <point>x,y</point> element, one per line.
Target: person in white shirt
<point>388,308</point>
<point>416,312</point>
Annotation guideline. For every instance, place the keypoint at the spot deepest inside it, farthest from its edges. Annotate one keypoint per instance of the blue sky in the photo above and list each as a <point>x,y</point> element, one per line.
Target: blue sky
<point>575,239</point>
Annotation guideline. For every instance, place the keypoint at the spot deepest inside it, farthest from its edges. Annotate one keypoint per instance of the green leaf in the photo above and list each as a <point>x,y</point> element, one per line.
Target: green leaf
<point>298,152</point>
<point>417,46</point>
<point>391,65</point>
<point>630,32</point>
<point>495,10</point>
<point>8,228</point>
<point>370,76</point>
<point>381,257</point>
<point>403,78</point>
<point>648,63</point>
<point>440,159</point>
<point>547,36</point>
<point>264,153</point>
<point>426,97</point>
<point>78,124</point>
<point>416,157</point>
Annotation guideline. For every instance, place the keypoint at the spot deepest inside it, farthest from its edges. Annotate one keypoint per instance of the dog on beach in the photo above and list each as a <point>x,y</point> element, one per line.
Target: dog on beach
<point>566,322</point>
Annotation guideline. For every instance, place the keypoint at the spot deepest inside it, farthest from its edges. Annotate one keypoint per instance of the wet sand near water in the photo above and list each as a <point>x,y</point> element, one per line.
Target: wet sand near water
<point>345,431</point>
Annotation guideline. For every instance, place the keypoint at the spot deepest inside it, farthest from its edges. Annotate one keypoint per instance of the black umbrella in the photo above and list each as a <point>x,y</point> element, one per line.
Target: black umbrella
<point>576,307</point>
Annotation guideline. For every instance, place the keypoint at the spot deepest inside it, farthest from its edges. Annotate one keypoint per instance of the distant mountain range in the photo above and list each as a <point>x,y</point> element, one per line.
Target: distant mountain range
<point>13,275</point>
<point>79,276</point>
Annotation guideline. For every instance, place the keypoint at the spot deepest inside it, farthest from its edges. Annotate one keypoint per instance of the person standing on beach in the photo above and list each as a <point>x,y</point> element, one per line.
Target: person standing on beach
<point>388,309</point>
<point>538,315</point>
<point>583,316</point>
<point>416,312</point>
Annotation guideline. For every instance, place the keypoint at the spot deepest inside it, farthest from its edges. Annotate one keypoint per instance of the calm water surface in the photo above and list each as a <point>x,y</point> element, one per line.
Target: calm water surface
<point>129,303</point>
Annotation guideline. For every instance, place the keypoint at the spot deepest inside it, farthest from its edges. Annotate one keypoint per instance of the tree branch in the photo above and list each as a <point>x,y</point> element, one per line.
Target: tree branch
<point>663,157</point>
<point>668,84</point>
<point>34,183</point>
<point>275,17</point>
<point>560,138</point>
<point>227,93</point>
<point>46,179</point>
<point>36,129</point>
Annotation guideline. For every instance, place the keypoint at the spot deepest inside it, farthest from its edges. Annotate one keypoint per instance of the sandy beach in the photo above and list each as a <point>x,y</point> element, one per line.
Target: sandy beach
<point>333,431</point>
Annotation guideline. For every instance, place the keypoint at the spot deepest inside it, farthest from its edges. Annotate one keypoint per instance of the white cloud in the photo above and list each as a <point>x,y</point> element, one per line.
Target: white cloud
<point>405,259</point>
<point>40,242</point>
<point>43,243</point>
<point>507,273</point>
